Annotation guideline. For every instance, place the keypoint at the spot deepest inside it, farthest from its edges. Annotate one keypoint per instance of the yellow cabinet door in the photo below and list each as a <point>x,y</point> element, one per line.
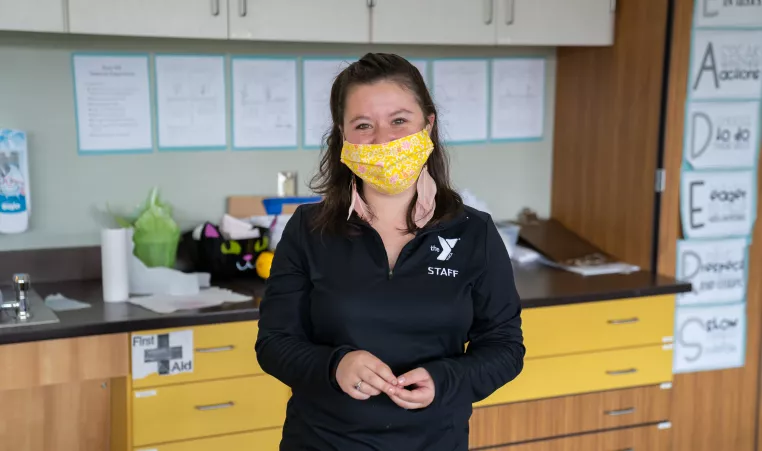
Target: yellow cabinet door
<point>266,440</point>
<point>585,373</point>
<point>204,409</point>
<point>220,351</point>
<point>598,326</point>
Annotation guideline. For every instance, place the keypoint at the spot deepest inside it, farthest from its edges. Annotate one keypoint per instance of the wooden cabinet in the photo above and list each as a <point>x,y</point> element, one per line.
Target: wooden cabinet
<point>32,15</point>
<point>434,22</point>
<point>165,18</point>
<point>555,22</point>
<point>345,21</point>
<point>568,415</point>
<point>649,438</point>
<point>62,417</point>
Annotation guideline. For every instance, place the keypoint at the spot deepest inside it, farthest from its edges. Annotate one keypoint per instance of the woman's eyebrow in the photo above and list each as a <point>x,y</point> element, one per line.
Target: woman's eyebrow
<point>357,118</point>
<point>401,110</point>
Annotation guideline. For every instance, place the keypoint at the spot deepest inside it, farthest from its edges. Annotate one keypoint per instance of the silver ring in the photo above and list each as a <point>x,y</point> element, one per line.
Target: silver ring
<point>358,385</point>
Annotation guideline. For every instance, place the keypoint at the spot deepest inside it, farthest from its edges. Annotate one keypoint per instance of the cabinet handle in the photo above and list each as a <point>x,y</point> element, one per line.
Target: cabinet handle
<point>621,372</point>
<point>509,4</point>
<point>218,349</point>
<point>616,413</point>
<point>634,319</point>
<point>215,7</point>
<point>216,406</point>
<point>487,12</point>
<point>627,449</point>
<point>242,4</point>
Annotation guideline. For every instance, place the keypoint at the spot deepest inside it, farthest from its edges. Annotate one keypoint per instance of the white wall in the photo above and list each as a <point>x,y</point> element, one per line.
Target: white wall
<point>69,192</point>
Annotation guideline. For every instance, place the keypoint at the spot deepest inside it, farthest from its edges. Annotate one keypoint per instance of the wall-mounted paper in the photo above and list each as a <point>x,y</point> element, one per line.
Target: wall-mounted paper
<point>518,98</point>
<point>722,134</point>
<point>113,103</point>
<point>726,64</point>
<point>709,338</point>
<point>422,66</point>
<point>717,270</point>
<point>460,91</point>
<point>190,101</point>
<point>264,103</point>
<point>724,13</point>
<point>717,204</point>
<point>317,79</point>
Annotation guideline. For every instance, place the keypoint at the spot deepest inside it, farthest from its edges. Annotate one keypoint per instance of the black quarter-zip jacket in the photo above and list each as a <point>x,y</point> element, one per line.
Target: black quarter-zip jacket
<point>328,295</point>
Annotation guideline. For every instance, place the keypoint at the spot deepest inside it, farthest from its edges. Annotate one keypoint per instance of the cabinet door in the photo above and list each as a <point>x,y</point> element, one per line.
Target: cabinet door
<point>300,20</point>
<point>555,22</point>
<point>32,15</point>
<point>434,22</point>
<point>165,18</point>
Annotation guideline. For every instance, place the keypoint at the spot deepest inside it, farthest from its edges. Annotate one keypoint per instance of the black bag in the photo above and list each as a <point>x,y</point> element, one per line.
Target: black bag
<point>210,252</point>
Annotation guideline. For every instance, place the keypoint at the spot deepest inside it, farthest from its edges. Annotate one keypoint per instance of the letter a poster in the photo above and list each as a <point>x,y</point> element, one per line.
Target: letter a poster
<point>718,184</point>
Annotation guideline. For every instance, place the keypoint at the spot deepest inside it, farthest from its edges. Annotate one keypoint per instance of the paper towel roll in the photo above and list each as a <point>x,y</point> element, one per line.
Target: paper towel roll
<point>115,251</point>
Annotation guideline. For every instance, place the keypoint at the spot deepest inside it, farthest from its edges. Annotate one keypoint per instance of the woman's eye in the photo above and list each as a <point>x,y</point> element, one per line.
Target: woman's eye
<point>362,127</point>
<point>399,121</point>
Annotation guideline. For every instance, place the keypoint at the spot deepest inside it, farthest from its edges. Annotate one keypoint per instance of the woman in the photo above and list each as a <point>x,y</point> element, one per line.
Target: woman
<point>374,292</point>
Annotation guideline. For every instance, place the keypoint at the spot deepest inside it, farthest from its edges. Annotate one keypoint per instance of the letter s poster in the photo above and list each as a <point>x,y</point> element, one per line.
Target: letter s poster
<point>709,338</point>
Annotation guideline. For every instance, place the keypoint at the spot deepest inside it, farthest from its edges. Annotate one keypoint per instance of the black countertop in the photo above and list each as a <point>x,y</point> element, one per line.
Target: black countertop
<point>538,286</point>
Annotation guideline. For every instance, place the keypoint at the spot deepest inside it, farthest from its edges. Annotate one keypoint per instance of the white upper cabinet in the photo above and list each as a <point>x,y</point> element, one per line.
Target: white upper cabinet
<point>165,18</point>
<point>32,15</point>
<point>555,22</point>
<point>434,22</point>
<point>345,21</point>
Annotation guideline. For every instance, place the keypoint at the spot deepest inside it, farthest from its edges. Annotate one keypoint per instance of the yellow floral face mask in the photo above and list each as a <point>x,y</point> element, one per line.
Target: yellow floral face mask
<point>391,167</point>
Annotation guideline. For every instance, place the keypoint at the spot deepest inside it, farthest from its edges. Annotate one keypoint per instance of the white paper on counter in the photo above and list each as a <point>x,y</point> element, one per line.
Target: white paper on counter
<point>518,98</point>
<point>264,103</point>
<point>717,204</point>
<point>190,101</point>
<point>209,297</point>
<point>709,338</point>
<point>724,13</point>
<point>163,354</point>
<point>113,103</point>
<point>318,76</point>
<point>460,91</point>
<point>725,64</point>
<point>717,269</point>
<point>722,134</point>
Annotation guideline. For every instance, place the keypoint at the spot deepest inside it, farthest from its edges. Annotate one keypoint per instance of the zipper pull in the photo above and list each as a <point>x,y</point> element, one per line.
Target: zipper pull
<point>391,273</point>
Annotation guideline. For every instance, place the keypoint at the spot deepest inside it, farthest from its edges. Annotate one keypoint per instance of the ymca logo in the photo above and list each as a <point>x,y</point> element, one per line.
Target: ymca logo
<point>445,252</point>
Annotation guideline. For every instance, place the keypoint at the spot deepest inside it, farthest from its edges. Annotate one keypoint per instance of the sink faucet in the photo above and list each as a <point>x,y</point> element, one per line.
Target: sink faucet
<point>20,305</point>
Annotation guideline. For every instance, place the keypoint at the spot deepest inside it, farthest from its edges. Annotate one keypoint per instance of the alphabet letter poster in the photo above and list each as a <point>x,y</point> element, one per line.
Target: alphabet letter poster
<point>716,268</point>
<point>726,64</point>
<point>722,134</point>
<point>717,204</point>
<point>163,354</point>
<point>709,338</point>
<point>724,13</point>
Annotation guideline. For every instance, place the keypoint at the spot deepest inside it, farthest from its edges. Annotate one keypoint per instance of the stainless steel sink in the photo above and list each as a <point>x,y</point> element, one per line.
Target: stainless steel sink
<point>36,311</point>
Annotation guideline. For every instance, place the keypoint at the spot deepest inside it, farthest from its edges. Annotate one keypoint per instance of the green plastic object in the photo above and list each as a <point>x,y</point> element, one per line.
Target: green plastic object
<point>155,234</point>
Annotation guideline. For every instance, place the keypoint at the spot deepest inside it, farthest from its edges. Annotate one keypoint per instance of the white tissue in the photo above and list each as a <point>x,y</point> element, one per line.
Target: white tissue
<point>114,268</point>
<point>276,224</point>
<point>204,299</point>
<point>236,229</point>
<point>162,281</point>
<point>60,303</point>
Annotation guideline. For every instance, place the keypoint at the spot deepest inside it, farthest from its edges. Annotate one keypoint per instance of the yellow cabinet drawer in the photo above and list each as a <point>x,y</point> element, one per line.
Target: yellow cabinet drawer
<point>220,350</point>
<point>598,326</point>
<point>267,440</point>
<point>203,409</point>
<point>585,373</point>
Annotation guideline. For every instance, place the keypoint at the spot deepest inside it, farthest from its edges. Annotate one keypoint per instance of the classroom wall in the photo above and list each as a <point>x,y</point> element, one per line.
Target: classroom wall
<point>70,193</point>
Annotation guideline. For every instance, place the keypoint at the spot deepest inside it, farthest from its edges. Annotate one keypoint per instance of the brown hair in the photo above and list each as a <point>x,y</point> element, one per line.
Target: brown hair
<point>333,179</point>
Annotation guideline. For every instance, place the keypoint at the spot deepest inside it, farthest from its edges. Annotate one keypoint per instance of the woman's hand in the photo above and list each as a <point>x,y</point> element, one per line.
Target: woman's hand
<point>361,375</point>
<point>421,392</point>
